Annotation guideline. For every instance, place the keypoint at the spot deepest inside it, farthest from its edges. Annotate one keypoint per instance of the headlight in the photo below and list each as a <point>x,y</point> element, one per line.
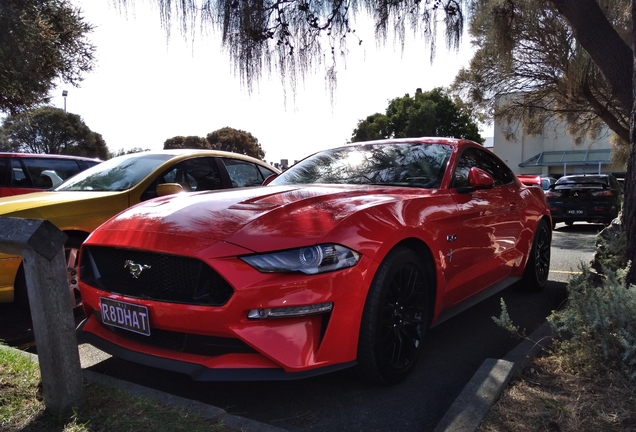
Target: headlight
<point>309,260</point>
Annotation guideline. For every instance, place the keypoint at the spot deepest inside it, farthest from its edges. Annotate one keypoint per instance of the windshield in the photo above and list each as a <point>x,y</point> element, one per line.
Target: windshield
<point>414,165</point>
<point>116,174</point>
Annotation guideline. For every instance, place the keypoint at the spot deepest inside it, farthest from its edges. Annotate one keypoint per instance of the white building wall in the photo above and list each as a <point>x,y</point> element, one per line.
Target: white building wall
<point>514,146</point>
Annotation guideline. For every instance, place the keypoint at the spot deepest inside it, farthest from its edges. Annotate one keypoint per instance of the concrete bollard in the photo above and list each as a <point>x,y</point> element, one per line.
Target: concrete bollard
<point>41,245</point>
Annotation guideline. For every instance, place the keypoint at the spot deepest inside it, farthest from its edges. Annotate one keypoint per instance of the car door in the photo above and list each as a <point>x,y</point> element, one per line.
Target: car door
<point>488,226</point>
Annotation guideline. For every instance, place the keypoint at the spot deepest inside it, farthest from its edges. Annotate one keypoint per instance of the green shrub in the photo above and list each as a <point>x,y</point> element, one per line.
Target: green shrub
<point>598,327</point>
<point>611,248</point>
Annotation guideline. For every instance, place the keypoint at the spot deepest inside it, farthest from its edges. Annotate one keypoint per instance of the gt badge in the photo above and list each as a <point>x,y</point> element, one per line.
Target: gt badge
<point>135,269</point>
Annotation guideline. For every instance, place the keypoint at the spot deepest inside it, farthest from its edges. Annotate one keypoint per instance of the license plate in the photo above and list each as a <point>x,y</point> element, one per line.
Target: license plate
<point>126,316</point>
<point>575,212</point>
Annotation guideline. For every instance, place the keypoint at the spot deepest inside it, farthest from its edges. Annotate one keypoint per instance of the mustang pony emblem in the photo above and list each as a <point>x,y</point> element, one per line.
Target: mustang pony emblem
<point>135,269</point>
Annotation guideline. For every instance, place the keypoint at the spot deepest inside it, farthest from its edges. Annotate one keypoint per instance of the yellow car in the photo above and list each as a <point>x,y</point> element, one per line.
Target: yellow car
<point>85,201</point>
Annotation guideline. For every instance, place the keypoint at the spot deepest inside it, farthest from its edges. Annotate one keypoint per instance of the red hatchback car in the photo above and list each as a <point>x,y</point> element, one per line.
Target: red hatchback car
<point>22,173</point>
<point>345,259</point>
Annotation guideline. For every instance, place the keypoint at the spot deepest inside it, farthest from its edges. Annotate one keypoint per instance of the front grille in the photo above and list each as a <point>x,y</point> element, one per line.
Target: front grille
<point>164,277</point>
<point>187,343</point>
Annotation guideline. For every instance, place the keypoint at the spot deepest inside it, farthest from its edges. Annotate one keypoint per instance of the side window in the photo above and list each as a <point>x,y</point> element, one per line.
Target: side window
<point>19,176</point>
<point>195,174</point>
<point>4,172</point>
<point>49,172</point>
<point>265,172</point>
<point>243,173</point>
<point>473,157</point>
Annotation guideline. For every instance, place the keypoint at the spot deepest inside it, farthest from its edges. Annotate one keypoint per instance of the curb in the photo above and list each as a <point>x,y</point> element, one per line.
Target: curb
<point>487,384</point>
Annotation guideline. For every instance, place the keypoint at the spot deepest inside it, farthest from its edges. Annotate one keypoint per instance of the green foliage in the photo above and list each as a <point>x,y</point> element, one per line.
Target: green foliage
<point>598,326</point>
<point>236,141</point>
<point>4,141</point>
<point>181,142</point>
<point>52,131</point>
<point>122,151</point>
<point>374,127</point>
<point>611,249</point>
<point>431,113</point>
<point>504,320</point>
<point>527,48</point>
<point>225,139</point>
<point>597,329</point>
<point>40,42</point>
<point>22,407</point>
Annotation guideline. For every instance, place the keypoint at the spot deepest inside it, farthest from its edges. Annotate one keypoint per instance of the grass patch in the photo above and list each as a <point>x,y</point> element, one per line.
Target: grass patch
<point>106,409</point>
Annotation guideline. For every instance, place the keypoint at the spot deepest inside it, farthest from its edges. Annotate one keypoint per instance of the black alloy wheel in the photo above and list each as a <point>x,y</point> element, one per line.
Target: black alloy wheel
<point>395,319</point>
<point>535,277</point>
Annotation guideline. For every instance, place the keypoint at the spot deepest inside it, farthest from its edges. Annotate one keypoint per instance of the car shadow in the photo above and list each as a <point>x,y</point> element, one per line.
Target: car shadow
<point>579,227</point>
<point>16,327</point>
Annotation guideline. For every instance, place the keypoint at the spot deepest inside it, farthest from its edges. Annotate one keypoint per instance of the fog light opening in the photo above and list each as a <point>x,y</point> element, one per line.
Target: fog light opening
<point>292,311</point>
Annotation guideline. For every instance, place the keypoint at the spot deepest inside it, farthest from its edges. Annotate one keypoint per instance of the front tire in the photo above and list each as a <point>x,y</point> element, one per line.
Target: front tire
<point>535,276</point>
<point>395,319</point>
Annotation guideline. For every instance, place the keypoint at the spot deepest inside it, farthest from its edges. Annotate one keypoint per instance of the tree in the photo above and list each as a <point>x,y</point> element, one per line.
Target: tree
<point>40,42</point>
<point>54,131</point>
<point>4,141</point>
<point>123,151</point>
<point>290,35</point>
<point>431,113</point>
<point>528,49</point>
<point>294,35</point>
<point>376,126</point>
<point>226,139</point>
<point>181,142</point>
<point>236,141</point>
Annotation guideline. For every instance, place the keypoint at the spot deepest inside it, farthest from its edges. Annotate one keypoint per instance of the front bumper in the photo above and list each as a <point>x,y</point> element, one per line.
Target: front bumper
<point>221,343</point>
<point>197,371</point>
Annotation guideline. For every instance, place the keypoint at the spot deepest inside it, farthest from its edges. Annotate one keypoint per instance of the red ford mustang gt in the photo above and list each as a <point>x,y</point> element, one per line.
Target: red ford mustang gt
<point>345,259</point>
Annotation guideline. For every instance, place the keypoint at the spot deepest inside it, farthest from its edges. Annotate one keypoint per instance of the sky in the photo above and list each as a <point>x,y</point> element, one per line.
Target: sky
<point>145,89</point>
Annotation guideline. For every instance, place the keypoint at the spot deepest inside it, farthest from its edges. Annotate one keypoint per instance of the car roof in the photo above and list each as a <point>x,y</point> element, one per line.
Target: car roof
<point>197,152</point>
<point>584,178</point>
<point>418,140</point>
<point>47,155</point>
<point>186,153</point>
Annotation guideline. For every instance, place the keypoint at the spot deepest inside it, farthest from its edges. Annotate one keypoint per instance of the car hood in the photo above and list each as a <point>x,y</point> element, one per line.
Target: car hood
<point>37,200</point>
<point>252,218</point>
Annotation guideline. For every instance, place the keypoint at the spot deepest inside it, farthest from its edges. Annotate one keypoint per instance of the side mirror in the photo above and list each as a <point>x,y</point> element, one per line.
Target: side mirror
<point>477,179</point>
<point>168,189</point>
<point>269,179</point>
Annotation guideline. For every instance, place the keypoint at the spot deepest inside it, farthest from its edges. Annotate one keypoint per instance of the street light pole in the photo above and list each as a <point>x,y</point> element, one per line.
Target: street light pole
<point>64,93</point>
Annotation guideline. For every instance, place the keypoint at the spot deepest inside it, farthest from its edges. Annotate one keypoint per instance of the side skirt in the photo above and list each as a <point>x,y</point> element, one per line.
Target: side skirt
<point>473,300</point>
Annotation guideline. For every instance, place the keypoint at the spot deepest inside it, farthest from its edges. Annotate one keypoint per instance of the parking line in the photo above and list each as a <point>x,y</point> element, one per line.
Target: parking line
<point>565,271</point>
